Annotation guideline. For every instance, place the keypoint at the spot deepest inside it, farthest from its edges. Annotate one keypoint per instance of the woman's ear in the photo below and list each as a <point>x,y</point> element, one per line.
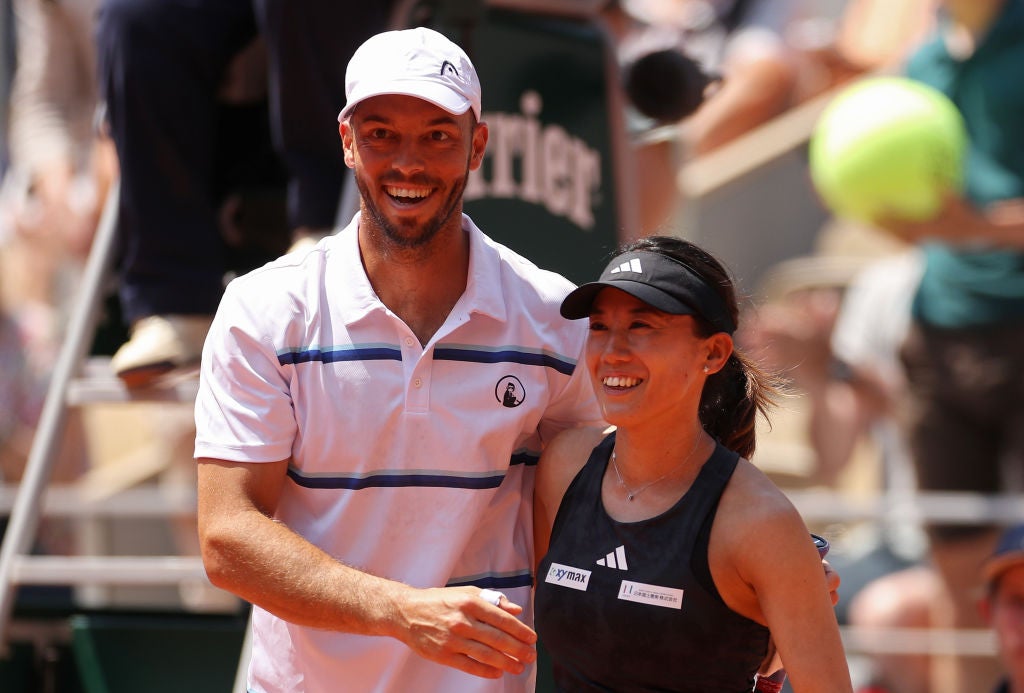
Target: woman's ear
<point>719,349</point>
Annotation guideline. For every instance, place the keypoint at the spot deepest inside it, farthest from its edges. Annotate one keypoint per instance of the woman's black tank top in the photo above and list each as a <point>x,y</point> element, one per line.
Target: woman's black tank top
<point>631,606</point>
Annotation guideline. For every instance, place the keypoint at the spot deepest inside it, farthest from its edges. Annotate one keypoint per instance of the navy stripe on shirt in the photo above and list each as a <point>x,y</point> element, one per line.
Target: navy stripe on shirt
<point>524,579</point>
<point>355,353</point>
<point>528,358</point>
<point>386,479</point>
<point>463,353</point>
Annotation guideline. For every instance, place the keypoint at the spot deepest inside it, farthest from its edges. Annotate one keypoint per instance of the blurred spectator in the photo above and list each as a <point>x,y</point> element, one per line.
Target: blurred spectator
<point>771,55</point>
<point>835,322</point>
<point>59,169</point>
<point>53,111</point>
<point>963,360</point>
<point>50,199</point>
<point>6,70</point>
<point>741,40</point>
<point>879,34</point>
<point>964,406</point>
<point>905,600</point>
<point>163,66</point>
<point>20,401</point>
<point>1003,606</point>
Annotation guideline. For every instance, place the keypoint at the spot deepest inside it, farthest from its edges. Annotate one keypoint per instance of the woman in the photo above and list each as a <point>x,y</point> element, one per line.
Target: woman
<point>667,556</point>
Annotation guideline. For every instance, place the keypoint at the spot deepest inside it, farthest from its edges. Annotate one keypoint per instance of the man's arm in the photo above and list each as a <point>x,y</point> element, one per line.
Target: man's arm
<point>249,553</point>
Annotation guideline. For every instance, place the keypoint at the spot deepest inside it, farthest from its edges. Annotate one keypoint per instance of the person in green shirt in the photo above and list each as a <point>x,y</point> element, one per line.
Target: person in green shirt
<point>963,355</point>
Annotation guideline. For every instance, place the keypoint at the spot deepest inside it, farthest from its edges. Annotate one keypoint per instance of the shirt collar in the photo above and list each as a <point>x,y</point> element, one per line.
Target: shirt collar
<point>484,283</point>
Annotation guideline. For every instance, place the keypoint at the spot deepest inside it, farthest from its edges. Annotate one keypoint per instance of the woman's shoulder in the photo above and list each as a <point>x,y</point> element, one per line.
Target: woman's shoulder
<point>755,528</point>
<point>754,505</point>
<point>578,437</point>
<point>566,454</point>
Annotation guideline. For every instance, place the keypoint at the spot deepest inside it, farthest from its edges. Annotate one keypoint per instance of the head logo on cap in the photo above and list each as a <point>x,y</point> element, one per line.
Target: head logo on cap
<point>413,62</point>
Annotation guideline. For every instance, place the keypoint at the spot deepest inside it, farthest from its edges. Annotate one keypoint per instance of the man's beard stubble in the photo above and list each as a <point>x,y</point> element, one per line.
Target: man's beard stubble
<point>427,231</point>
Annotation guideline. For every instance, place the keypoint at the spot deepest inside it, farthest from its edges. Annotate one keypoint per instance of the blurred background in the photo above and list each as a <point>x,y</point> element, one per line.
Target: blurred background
<point>609,120</point>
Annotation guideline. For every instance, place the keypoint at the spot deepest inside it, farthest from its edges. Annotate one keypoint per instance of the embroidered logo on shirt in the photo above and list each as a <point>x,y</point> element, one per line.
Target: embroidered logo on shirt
<point>567,576</point>
<point>615,559</point>
<point>510,391</point>
<point>655,595</point>
<point>631,266</point>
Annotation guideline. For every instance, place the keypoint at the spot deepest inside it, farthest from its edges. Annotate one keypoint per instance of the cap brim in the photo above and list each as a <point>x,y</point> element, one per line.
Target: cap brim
<point>438,94</point>
<point>1000,564</point>
<point>577,304</point>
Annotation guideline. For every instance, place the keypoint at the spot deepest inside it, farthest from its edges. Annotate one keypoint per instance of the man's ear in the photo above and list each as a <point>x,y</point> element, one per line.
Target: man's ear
<point>480,137</point>
<point>345,130</point>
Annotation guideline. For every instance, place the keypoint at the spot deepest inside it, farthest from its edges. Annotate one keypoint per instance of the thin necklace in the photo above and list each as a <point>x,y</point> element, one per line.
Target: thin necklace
<point>633,493</point>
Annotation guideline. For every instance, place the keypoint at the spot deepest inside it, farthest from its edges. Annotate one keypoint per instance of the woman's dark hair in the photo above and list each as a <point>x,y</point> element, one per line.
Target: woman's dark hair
<point>734,396</point>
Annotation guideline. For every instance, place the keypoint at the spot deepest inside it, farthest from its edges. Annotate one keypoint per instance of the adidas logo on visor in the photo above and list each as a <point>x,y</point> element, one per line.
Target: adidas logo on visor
<point>631,266</point>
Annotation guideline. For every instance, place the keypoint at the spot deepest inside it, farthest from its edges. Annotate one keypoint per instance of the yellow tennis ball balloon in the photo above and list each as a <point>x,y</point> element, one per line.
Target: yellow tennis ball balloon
<point>887,146</point>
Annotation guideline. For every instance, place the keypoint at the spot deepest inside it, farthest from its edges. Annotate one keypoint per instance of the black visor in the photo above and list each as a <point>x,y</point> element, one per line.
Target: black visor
<point>660,282</point>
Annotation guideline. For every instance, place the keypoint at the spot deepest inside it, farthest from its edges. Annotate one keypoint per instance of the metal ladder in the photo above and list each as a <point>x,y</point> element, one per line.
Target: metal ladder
<point>69,387</point>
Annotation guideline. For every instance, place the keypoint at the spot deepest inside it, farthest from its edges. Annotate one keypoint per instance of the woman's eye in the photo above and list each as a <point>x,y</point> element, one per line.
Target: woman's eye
<point>597,326</point>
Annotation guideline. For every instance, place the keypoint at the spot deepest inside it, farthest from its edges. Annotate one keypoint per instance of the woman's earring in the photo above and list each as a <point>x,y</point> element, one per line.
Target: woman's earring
<point>706,369</point>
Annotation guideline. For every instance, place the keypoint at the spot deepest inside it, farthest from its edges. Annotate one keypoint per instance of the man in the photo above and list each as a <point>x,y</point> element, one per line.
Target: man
<point>362,469</point>
<point>1003,605</point>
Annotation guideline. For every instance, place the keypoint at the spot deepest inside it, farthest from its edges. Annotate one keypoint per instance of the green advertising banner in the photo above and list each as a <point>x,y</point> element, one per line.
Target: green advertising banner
<point>548,186</point>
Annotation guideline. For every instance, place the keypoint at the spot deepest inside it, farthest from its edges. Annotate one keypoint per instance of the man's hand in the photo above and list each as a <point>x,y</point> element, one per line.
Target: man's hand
<point>457,627</point>
<point>831,581</point>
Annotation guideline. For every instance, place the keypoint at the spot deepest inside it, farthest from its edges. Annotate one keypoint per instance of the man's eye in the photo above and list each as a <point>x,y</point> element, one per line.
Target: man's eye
<point>439,136</point>
<point>597,326</point>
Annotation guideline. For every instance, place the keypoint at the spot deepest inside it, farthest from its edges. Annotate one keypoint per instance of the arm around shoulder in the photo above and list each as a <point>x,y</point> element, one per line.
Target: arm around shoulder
<point>559,464</point>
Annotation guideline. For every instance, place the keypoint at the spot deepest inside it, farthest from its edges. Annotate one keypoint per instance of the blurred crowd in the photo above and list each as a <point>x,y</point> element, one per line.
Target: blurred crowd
<point>220,165</point>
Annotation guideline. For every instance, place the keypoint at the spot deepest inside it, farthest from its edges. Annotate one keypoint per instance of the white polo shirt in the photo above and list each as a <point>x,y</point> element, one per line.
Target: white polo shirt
<point>410,462</point>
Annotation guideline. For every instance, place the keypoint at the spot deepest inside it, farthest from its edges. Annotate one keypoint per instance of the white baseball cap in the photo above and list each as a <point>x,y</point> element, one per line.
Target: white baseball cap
<point>414,62</point>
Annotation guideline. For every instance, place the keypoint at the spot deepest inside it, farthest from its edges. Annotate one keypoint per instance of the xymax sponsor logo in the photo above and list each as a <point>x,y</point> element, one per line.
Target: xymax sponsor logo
<point>567,576</point>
